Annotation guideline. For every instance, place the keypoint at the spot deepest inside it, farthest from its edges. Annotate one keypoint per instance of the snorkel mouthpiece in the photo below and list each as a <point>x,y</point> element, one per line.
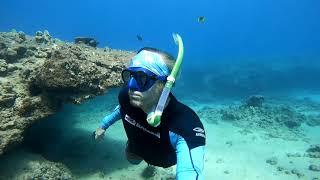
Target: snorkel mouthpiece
<point>154,117</point>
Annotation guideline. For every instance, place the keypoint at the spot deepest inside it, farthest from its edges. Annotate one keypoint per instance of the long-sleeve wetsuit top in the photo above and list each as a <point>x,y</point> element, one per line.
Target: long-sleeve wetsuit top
<point>179,139</point>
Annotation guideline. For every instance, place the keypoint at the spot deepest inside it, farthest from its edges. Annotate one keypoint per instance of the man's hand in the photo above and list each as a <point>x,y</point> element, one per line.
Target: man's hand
<point>99,133</point>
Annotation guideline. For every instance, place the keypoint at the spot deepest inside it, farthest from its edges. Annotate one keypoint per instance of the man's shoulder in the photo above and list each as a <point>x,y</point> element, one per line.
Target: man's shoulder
<point>183,118</point>
<point>186,123</point>
<point>182,111</point>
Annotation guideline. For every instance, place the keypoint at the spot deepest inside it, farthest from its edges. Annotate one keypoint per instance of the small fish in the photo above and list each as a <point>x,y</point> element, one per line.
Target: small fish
<point>201,19</point>
<point>139,37</point>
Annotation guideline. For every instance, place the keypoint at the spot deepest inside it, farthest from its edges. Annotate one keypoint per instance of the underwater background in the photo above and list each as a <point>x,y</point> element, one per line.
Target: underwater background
<point>246,51</point>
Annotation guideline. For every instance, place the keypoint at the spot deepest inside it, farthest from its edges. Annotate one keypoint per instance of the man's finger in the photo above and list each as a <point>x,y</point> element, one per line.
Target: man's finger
<point>94,135</point>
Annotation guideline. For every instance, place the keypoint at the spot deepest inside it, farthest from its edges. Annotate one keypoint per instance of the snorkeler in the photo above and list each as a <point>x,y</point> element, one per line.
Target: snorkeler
<point>160,130</point>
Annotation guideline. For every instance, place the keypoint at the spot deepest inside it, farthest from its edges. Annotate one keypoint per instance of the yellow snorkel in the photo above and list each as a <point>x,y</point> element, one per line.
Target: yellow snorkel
<point>154,118</point>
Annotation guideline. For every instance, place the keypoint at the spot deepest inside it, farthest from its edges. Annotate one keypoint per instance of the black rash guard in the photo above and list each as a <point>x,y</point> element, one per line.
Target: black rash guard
<point>153,143</point>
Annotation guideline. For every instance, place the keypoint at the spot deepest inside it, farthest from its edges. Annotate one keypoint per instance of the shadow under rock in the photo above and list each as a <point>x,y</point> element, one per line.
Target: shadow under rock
<point>74,147</point>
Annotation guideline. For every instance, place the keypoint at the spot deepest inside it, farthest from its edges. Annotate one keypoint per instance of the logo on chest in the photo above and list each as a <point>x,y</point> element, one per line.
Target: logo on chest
<point>137,125</point>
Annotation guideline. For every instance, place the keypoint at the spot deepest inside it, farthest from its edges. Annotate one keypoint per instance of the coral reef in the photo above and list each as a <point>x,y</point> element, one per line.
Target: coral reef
<point>210,114</point>
<point>254,101</point>
<point>313,167</point>
<point>277,120</point>
<point>313,120</point>
<point>28,166</point>
<point>48,170</point>
<point>38,74</point>
<point>264,117</point>
<point>292,171</point>
<point>86,40</point>
<point>43,37</point>
<point>313,151</point>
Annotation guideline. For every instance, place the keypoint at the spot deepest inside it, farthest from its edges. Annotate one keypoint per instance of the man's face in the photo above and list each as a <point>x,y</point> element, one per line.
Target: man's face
<point>146,98</point>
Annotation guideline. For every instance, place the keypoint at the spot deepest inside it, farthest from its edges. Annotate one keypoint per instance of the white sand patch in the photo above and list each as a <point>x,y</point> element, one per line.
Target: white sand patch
<point>246,157</point>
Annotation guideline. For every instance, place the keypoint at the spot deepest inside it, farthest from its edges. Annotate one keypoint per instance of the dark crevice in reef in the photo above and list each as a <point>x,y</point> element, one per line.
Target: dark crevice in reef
<point>58,140</point>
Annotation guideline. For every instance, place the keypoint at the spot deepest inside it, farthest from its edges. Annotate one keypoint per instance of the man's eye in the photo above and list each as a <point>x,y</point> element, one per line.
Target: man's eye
<point>143,79</point>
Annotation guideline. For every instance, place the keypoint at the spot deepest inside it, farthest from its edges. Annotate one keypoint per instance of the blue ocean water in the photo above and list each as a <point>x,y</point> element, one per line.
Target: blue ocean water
<point>232,28</point>
<point>269,47</point>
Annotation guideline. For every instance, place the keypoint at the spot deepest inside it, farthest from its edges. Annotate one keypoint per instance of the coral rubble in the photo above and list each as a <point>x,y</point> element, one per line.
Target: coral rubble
<point>277,120</point>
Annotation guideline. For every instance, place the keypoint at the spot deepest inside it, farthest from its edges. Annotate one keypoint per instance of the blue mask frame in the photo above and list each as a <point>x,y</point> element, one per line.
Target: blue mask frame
<point>140,79</point>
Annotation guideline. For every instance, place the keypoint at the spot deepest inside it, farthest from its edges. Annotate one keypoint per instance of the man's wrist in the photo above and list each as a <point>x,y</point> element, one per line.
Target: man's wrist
<point>103,127</point>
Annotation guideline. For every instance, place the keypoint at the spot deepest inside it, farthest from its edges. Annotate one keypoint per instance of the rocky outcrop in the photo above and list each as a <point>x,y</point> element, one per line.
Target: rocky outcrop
<point>79,72</point>
<point>38,74</point>
<point>254,101</point>
<point>86,40</point>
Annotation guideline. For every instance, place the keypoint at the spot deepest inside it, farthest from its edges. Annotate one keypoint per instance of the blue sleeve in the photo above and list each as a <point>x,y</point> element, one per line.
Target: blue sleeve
<point>111,118</point>
<point>189,162</point>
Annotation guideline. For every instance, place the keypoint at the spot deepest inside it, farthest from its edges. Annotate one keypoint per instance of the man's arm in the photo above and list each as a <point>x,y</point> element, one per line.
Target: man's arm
<point>189,162</point>
<point>111,118</point>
